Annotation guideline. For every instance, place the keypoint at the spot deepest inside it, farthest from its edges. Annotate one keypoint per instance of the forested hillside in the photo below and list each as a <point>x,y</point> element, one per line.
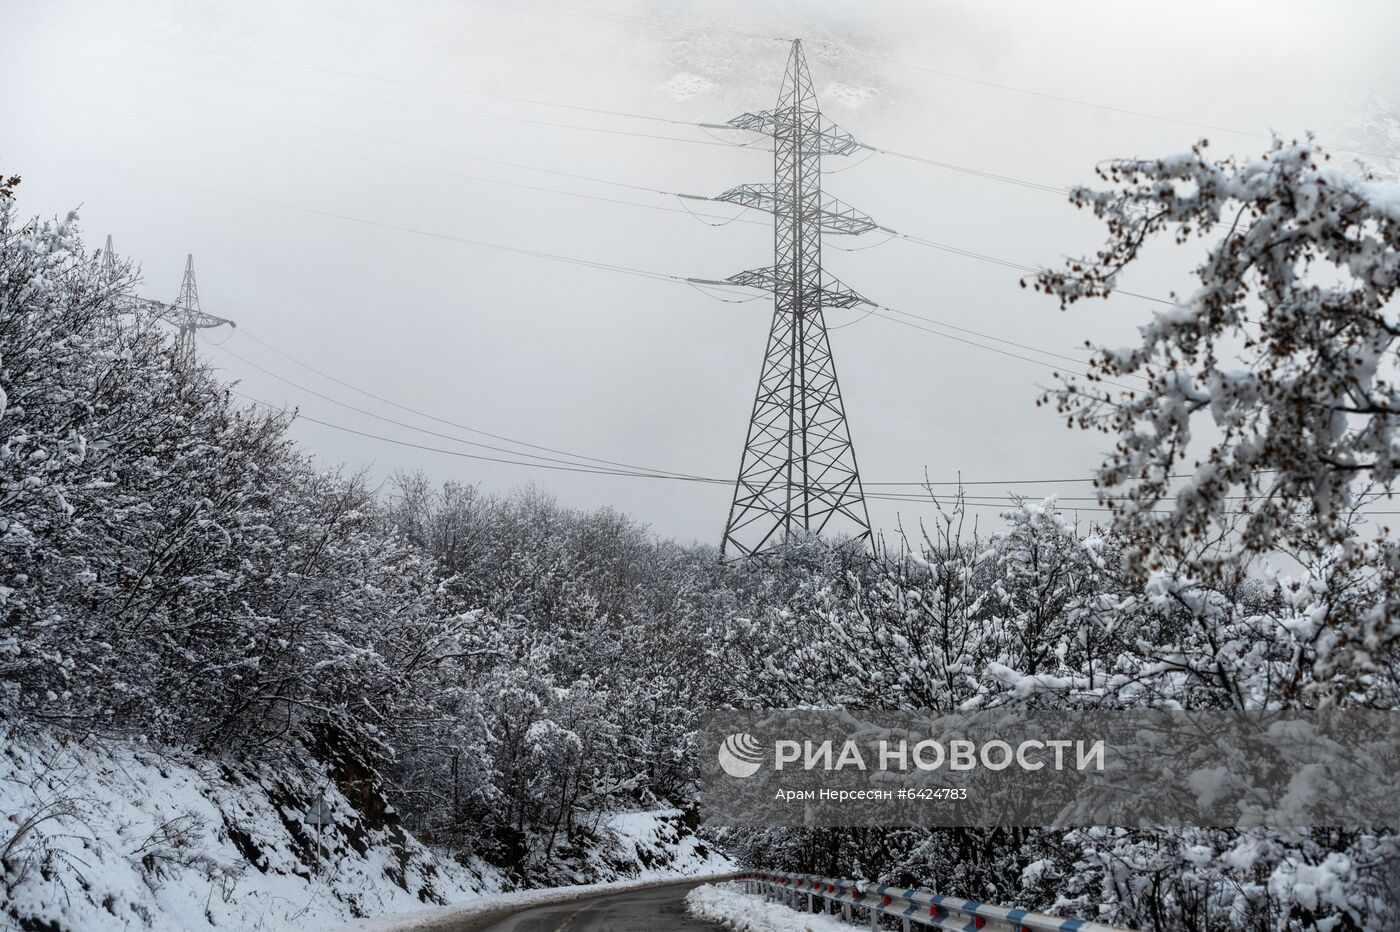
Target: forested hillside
<point>479,685</point>
<point>492,676</point>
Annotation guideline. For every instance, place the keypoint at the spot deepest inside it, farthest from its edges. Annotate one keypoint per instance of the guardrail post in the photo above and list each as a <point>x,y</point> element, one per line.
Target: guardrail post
<point>874,919</point>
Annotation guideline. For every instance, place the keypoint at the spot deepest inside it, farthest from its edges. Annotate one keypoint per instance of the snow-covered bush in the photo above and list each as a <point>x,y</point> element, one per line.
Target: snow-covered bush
<point>591,646</point>
<point>172,565</point>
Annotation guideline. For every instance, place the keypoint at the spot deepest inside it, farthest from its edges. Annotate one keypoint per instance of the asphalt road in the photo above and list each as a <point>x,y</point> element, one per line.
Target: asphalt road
<point>656,909</point>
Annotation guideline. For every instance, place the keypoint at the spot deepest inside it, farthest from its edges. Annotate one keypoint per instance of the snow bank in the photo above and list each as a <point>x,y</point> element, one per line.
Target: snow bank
<point>121,836</point>
<point>125,836</point>
<point>734,909</point>
<point>659,844</point>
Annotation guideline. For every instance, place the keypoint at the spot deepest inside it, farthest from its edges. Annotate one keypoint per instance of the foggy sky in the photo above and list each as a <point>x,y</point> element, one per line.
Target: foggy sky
<point>170,159</point>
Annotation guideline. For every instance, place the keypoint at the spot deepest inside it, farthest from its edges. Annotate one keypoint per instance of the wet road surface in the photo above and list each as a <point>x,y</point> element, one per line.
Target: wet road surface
<point>657,909</point>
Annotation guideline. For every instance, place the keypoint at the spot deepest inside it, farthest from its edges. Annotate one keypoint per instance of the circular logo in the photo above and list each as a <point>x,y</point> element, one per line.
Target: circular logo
<point>740,755</point>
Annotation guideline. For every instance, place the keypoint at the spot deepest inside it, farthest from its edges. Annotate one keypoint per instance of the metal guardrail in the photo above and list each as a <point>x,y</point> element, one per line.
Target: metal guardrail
<point>910,907</point>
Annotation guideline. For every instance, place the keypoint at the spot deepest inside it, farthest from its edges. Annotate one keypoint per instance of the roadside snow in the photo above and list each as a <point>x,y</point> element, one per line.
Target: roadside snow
<point>659,840</point>
<point>122,835</point>
<point>734,909</point>
<point>126,836</point>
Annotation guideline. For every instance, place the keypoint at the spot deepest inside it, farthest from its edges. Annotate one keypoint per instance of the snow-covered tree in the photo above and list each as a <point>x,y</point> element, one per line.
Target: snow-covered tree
<point>1270,388</point>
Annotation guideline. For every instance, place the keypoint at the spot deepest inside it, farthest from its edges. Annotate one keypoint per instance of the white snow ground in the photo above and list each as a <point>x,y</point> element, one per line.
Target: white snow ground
<point>728,905</point>
<point>117,836</point>
<point>122,836</point>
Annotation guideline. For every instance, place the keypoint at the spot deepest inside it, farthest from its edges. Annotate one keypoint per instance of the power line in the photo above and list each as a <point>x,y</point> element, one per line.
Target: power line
<point>244,332</point>
<point>633,20</point>
<point>652,23</point>
<point>471,456</point>
<point>537,465</point>
<point>1104,107</point>
<point>894,234</point>
<point>991,176</point>
<point>484,244</point>
<point>302,66</point>
<point>327,129</point>
<point>533,253</point>
<point>979,81</point>
<point>1015,497</point>
<point>589,263</point>
<point>424,414</point>
<point>873,150</point>
<point>993,349</point>
<point>649,471</point>
<point>730,219</point>
<point>395,422</point>
<point>389,103</point>
<point>440,171</point>
<point>627,270</point>
<point>881,496</point>
<point>972,502</point>
<point>983,257</point>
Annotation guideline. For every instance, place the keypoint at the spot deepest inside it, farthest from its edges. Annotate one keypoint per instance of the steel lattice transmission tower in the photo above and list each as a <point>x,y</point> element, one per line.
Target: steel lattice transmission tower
<point>109,260</point>
<point>798,473</point>
<point>111,321</point>
<point>185,312</point>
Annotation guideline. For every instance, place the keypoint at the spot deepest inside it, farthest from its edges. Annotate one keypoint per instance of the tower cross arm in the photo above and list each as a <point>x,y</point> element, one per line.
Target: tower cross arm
<point>205,319</point>
<point>833,293</point>
<point>182,317</point>
<point>834,215</point>
<point>827,137</point>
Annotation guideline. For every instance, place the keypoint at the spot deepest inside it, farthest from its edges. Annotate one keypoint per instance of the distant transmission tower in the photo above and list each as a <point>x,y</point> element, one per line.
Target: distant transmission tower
<point>798,473</point>
<point>186,314</point>
<point>111,321</point>
<point>109,260</point>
